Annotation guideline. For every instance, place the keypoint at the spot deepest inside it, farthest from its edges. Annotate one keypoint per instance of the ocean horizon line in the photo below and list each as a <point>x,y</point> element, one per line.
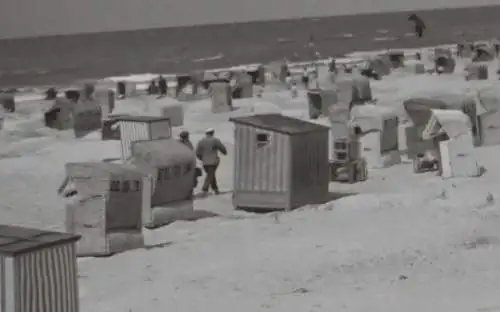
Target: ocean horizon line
<point>242,23</point>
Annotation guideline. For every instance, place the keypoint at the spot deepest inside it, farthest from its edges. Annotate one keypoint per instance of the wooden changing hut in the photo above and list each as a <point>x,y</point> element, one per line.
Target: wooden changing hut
<point>172,165</point>
<point>138,128</point>
<point>104,206</point>
<point>450,130</point>
<point>38,270</point>
<point>8,102</point>
<point>280,162</point>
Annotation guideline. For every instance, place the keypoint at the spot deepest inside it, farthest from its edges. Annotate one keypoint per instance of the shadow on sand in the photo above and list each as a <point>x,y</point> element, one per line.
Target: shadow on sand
<point>330,197</point>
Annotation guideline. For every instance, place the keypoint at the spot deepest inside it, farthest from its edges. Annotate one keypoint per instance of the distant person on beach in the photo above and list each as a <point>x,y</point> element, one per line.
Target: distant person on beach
<point>162,86</point>
<point>305,76</point>
<point>496,46</point>
<point>460,49</point>
<point>51,94</point>
<point>184,139</point>
<point>152,88</point>
<point>332,66</point>
<point>293,89</point>
<point>207,151</point>
<point>418,25</point>
<point>288,80</point>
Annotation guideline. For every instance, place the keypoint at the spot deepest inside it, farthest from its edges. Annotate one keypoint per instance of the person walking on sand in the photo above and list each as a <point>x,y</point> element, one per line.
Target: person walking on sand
<point>293,90</point>
<point>162,86</point>
<point>305,77</point>
<point>288,80</point>
<point>207,151</point>
<point>184,139</point>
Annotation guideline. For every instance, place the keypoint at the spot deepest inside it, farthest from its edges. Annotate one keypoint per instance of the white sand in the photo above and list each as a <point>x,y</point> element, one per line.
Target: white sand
<point>347,255</point>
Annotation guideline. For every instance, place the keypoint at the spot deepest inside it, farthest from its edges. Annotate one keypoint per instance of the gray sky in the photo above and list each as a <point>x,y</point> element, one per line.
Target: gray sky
<point>21,18</point>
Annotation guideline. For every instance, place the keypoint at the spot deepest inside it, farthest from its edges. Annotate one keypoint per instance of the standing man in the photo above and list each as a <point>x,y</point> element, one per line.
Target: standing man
<point>162,86</point>
<point>207,152</point>
<point>305,77</point>
<point>332,66</point>
<point>288,80</point>
<point>184,139</point>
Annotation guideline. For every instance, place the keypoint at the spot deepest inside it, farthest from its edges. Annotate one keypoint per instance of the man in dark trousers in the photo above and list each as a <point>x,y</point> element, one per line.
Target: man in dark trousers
<point>162,86</point>
<point>207,152</point>
<point>184,139</point>
<point>153,87</point>
<point>305,77</point>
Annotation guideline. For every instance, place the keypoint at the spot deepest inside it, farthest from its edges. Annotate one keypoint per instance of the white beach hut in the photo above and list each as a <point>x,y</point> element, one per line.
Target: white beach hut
<point>338,116</point>
<point>8,102</point>
<point>166,108</point>
<point>414,67</point>
<point>186,86</point>
<point>456,153</point>
<point>397,58</point>
<point>488,100</point>
<point>110,129</point>
<point>104,205</point>
<point>347,93</point>
<point>87,116</point>
<point>362,85</point>
<point>379,143</point>
<point>154,106</point>
<point>483,52</point>
<point>466,49</point>
<point>243,85</point>
<point>419,111</point>
<point>476,71</point>
<point>257,72</point>
<point>60,115</point>
<point>38,270</point>
<point>381,64</point>
<point>471,105</point>
<point>321,101</point>
<point>444,61</point>
<point>135,106</point>
<point>276,72</point>
<point>171,165</point>
<point>353,89</point>
<point>140,128</point>
<point>221,95</point>
<point>106,99</point>
<point>322,97</point>
<point>126,89</point>
<point>83,116</point>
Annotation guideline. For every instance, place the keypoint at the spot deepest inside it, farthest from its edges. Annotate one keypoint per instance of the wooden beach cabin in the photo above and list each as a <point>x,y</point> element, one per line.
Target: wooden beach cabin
<point>379,142</point>
<point>139,128</point>
<point>280,162</point>
<point>221,95</point>
<point>8,102</point>
<point>104,205</point>
<point>171,165</point>
<point>322,97</point>
<point>455,144</point>
<point>38,270</point>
